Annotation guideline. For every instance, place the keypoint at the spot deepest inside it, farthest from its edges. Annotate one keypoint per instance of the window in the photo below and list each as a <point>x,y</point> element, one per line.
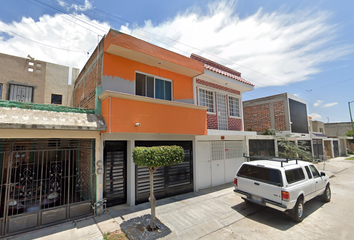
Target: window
<point>321,130</point>
<point>294,175</point>
<point>149,86</point>
<point>234,107</point>
<point>267,175</point>
<point>308,172</point>
<point>314,171</point>
<point>206,99</point>
<point>0,91</point>
<point>56,99</point>
<point>20,93</point>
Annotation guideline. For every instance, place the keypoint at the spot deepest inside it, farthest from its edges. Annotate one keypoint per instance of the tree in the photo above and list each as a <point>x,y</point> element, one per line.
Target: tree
<point>293,150</point>
<point>349,133</point>
<point>153,158</point>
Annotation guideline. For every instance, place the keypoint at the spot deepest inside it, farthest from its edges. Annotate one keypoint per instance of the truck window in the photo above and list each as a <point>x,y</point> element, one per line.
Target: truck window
<point>267,175</point>
<point>294,175</point>
<point>314,171</point>
<point>308,172</point>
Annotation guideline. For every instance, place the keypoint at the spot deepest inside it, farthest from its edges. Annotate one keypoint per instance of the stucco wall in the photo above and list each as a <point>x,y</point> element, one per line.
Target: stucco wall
<point>16,70</point>
<point>56,82</point>
<point>337,129</point>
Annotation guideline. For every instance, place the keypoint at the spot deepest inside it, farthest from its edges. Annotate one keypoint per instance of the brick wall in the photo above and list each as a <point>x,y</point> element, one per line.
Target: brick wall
<point>234,124</point>
<point>279,116</point>
<point>258,117</point>
<point>88,79</point>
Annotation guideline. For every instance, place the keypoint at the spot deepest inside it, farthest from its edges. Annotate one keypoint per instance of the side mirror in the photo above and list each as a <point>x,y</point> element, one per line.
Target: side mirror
<point>323,174</point>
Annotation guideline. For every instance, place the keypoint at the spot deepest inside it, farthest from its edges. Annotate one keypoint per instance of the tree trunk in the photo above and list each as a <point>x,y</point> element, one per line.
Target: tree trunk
<point>152,199</point>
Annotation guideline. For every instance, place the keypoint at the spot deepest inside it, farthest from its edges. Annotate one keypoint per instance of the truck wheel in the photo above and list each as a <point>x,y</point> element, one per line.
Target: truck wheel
<point>326,196</point>
<point>298,211</point>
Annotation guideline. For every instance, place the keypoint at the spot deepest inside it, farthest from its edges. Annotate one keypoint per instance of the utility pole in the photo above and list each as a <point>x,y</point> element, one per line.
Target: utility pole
<point>351,118</point>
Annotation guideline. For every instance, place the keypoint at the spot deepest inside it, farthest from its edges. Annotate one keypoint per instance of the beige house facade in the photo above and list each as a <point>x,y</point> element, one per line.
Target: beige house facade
<point>34,81</point>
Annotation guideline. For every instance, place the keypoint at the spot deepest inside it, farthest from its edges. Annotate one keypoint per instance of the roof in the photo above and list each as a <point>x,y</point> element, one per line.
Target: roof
<point>17,118</point>
<point>318,135</point>
<point>218,68</point>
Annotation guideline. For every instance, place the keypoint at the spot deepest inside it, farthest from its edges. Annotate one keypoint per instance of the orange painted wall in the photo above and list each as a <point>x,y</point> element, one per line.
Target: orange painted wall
<point>135,44</point>
<point>154,118</point>
<point>115,66</point>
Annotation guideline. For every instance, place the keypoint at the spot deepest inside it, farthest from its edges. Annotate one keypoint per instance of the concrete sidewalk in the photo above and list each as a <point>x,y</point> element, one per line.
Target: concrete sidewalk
<point>188,216</point>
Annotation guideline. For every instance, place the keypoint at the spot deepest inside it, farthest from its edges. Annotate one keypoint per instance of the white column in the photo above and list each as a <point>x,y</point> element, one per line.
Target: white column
<point>99,177</point>
<point>130,173</point>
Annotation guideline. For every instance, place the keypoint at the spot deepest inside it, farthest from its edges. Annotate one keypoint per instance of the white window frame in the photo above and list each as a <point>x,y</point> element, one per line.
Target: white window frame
<point>239,106</point>
<point>154,77</point>
<point>208,90</point>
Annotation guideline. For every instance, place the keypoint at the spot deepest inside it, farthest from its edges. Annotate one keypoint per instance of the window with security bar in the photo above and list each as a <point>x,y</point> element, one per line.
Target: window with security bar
<point>234,107</point>
<point>222,112</point>
<point>233,149</point>
<point>206,99</point>
<point>217,150</point>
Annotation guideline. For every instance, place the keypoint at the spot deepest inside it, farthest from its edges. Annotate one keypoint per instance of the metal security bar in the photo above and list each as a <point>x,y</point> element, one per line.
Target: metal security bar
<point>44,182</point>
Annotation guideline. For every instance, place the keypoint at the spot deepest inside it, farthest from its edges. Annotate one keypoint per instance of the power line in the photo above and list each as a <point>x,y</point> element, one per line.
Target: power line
<point>310,90</point>
<point>8,31</point>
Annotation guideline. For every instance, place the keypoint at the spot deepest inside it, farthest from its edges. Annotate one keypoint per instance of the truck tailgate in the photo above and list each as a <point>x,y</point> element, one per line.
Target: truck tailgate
<point>259,189</point>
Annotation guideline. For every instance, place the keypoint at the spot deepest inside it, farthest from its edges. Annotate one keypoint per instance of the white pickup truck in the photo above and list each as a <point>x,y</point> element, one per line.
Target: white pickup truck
<point>285,185</point>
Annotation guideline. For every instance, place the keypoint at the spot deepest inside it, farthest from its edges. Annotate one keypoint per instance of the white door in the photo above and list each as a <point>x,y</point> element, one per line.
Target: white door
<point>204,164</point>
<point>218,172</point>
<point>221,111</point>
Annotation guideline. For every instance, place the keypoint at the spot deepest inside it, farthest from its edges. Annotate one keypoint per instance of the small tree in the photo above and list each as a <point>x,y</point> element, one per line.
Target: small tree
<point>349,133</point>
<point>293,150</point>
<point>154,157</point>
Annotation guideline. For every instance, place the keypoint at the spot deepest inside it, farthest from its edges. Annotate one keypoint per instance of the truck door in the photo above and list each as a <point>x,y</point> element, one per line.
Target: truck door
<point>320,184</point>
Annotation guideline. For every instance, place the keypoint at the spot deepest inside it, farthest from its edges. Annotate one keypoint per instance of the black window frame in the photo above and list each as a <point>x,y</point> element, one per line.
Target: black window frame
<point>56,95</point>
<point>294,175</point>
<point>275,183</point>
<point>308,172</point>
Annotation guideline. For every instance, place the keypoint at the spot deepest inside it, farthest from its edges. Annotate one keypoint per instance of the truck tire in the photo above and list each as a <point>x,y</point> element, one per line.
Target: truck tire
<point>298,211</point>
<point>326,196</point>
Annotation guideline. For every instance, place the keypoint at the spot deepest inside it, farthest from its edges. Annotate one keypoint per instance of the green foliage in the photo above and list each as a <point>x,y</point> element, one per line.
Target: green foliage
<point>153,157</point>
<point>292,150</point>
<point>268,132</point>
<point>349,133</point>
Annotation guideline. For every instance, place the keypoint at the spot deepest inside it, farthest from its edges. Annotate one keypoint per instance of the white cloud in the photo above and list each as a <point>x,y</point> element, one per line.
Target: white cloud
<point>330,104</point>
<point>87,6</point>
<point>60,31</point>
<point>317,103</point>
<point>286,46</point>
<point>316,116</point>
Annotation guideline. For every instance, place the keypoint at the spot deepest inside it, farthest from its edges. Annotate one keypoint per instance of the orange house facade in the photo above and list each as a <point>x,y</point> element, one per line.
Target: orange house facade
<point>146,95</point>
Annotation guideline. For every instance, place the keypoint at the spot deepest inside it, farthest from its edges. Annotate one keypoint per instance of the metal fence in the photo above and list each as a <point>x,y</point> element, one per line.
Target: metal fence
<point>44,182</point>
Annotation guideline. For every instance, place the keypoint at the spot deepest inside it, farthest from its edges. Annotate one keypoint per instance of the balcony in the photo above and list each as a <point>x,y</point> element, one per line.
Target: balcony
<point>126,113</point>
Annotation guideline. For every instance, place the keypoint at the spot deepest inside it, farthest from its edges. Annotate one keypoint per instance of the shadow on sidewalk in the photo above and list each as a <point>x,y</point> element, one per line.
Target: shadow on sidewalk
<point>272,217</point>
<point>136,228</point>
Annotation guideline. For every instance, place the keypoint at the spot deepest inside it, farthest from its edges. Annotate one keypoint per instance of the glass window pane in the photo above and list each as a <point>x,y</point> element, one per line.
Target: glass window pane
<point>159,89</point>
<point>168,90</point>
<point>150,87</point>
<point>140,84</point>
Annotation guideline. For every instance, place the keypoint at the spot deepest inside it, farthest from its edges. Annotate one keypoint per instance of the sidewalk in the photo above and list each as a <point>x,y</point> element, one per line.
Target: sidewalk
<point>187,216</point>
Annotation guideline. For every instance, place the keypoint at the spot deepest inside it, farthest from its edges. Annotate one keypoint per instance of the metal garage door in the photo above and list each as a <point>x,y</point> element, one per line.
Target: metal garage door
<point>45,182</point>
<point>168,181</point>
<point>115,158</point>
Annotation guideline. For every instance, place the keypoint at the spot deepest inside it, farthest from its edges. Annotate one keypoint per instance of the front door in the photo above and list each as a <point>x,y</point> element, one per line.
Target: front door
<point>115,159</point>
<point>221,111</point>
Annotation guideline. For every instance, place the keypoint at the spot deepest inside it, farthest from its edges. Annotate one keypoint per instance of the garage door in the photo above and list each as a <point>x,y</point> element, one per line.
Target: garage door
<point>168,181</point>
<point>115,159</point>
<point>218,162</point>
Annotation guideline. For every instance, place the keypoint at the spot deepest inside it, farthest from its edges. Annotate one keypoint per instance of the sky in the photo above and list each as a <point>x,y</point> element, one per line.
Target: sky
<point>302,47</point>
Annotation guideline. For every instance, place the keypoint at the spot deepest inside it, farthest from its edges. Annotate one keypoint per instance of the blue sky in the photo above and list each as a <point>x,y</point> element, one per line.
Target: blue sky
<point>302,47</point>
